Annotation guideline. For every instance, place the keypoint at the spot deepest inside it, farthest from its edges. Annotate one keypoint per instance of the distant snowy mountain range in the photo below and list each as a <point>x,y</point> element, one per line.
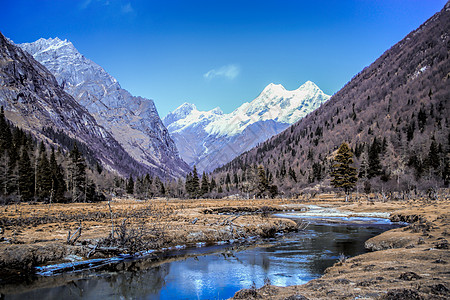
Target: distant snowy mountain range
<point>209,139</point>
<point>133,121</point>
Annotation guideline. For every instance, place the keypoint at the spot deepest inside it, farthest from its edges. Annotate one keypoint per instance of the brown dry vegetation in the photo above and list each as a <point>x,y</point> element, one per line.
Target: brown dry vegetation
<point>35,234</point>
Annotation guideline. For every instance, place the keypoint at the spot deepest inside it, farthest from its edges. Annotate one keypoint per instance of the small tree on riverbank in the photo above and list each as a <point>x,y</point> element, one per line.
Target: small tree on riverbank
<point>344,175</point>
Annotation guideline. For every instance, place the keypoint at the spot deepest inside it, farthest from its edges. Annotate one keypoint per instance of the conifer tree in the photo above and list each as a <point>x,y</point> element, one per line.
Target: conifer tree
<point>5,133</point>
<point>195,184</point>
<point>235,180</point>
<point>130,185</point>
<point>212,185</point>
<point>43,174</point>
<point>204,189</point>
<point>7,163</point>
<point>26,178</point>
<point>292,175</point>
<point>374,168</point>
<point>262,185</point>
<point>162,189</point>
<point>91,194</point>
<point>446,170</point>
<point>228,179</point>
<point>58,184</point>
<point>283,169</point>
<point>77,170</point>
<point>147,183</point>
<point>6,174</point>
<point>344,175</point>
<point>433,156</point>
<point>188,184</point>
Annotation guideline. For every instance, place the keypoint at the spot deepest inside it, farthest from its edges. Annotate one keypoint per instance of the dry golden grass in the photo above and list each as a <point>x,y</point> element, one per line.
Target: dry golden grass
<point>137,225</point>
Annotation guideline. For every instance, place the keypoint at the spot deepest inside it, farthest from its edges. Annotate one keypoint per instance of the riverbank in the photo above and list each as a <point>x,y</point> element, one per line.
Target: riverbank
<point>406,263</point>
<point>38,234</point>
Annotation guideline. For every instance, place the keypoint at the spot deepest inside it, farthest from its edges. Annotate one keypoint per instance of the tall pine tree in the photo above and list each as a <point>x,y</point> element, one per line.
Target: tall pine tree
<point>58,184</point>
<point>130,185</point>
<point>43,175</point>
<point>195,184</point>
<point>26,178</point>
<point>188,184</point>
<point>374,168</point>
<point>5,133</point>
<point>204,189</point>
<point>344,175</point>
<point>77,172</point>
<point>212,185</point>
<point>262,184</point>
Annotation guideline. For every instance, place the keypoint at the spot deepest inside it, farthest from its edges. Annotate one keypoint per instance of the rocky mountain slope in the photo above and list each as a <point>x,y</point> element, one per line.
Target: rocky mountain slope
<point>210,139</point>
<point>33,99</point>
<point>394,114</point>
<point>133,121</point>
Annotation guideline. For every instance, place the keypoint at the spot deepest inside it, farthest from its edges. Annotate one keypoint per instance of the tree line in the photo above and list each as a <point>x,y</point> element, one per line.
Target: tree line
<point>348,169</point>
<point>32,171</point>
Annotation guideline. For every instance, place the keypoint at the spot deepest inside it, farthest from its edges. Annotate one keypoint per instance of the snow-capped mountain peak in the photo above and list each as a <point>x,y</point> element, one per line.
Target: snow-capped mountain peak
<point>187,114</point>
<point>185,108</point>
<point>133,121</point>
<point>273,88</point>
<point>181,112</point>
<point>274,103</point>
<point>199,135</point>
<point>309,85</point>
<point>50,44</point>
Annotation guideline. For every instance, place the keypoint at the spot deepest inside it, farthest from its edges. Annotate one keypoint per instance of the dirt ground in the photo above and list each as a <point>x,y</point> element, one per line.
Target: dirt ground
<point>406,263</point>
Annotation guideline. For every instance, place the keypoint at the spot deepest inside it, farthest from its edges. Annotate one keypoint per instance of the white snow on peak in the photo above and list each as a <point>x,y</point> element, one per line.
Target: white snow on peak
<point>274,103</point>
<point>187,114</point>
<point>68,65</point>
<point>209,139</point>
<point>50,44</point>
<point>185,107</point>
<point>272,87</point>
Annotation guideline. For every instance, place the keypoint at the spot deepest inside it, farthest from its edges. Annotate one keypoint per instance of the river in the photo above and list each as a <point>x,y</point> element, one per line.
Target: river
<point>218,271</point>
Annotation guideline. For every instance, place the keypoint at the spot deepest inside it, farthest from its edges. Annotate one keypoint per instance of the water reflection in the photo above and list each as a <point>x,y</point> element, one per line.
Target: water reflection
<point>213,272</point>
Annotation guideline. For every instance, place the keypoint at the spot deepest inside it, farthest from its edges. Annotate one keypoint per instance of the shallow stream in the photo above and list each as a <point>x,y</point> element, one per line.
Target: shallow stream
<point>217,272</point>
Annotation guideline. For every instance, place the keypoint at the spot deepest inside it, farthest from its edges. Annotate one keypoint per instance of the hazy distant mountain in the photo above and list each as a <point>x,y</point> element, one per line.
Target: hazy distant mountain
<point>394,114</point>
<point>133,121</point>
<point>209,139</point>
<point>33,99</point>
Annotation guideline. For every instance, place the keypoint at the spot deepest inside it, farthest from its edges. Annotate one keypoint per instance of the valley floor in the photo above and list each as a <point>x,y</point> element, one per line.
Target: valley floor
<point>406,263</point>
<point>37,234</point>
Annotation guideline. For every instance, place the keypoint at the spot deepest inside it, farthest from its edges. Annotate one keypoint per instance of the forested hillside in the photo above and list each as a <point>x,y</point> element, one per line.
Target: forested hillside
<point>31,170</point>
<point>394,114</point>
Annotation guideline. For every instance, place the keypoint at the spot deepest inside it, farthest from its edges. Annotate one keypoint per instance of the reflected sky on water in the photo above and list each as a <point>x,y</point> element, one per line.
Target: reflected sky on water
<point>216,272</point>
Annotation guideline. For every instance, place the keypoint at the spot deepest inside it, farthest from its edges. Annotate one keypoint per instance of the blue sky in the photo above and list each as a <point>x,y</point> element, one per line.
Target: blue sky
<point>220,53</point>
